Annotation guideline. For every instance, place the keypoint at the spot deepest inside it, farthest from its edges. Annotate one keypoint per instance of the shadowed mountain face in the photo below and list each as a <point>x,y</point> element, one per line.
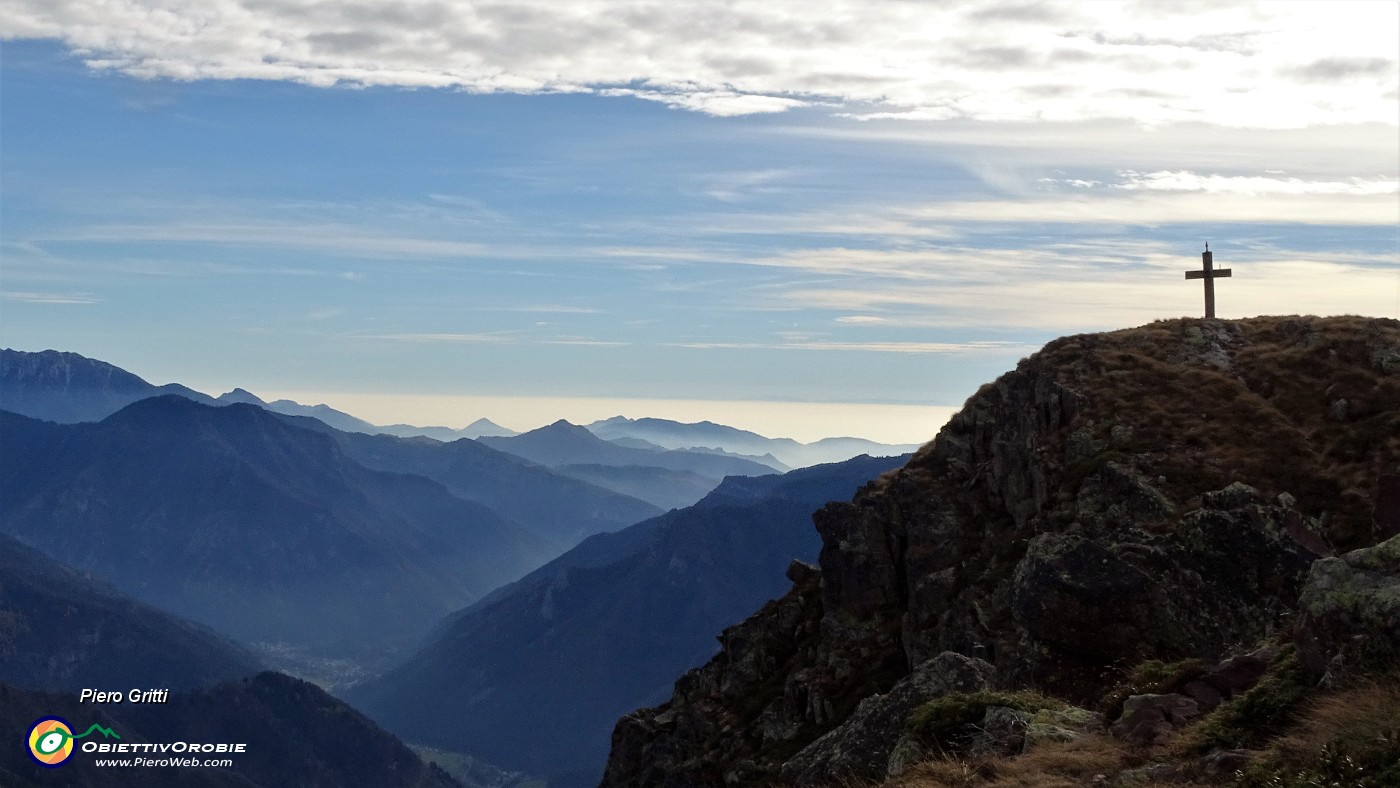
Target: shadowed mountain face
<point>677,435</point>
<point>296,735</point>
<point>60,629</point>
<point>258,528</point>
<point>555,507</point>
<point>666,489</point>
<point>533,677</point>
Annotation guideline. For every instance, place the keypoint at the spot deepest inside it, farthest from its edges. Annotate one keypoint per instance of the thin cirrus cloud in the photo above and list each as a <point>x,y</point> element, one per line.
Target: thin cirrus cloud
<point>1236,64</point>
<point>59,299</point>
<point>487,338</point>
<point>980,347</point>
<point>1183,181</point>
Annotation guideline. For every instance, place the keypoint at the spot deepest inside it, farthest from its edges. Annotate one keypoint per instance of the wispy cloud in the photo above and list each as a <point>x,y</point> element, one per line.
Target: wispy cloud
<point>943,348</point>
<point>1184,181</point>
<point>340,239</point>
<point>585,342</point>
<point>1276,65</point>
<point>550,309</point>
<point>451,338</point>
<point>50,298</point>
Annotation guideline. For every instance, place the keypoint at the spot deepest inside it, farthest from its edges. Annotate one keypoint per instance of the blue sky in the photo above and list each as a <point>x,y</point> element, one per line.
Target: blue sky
<point>802,225</point>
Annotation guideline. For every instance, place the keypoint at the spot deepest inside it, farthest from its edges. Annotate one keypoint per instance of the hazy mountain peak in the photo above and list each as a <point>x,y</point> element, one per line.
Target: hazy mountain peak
<point>484,426</point>
<point>241,395</point>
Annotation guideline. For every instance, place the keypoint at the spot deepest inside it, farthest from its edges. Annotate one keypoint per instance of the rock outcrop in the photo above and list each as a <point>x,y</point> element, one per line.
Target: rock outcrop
<point>1155,493</point>
<point>1351,610</point>
<point>861,746</point>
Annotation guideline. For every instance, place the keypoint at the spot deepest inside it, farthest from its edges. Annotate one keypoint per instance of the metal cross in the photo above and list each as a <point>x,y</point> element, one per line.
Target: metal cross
<point>1209,273</point>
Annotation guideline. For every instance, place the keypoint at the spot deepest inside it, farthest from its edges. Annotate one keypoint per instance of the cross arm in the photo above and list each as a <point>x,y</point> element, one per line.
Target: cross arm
<point>1218,272</point>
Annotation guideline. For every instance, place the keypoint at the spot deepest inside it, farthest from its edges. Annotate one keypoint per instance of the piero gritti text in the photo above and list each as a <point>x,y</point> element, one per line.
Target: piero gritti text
<point>130,696</point>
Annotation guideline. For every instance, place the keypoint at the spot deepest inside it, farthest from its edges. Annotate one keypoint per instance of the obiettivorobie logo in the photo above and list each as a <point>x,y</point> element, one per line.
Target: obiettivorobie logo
<point>51,744</point>
<point>51,740</point>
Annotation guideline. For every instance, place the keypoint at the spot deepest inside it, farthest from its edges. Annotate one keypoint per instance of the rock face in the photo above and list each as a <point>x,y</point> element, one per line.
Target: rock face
<point>860,748</point>
<point>1351,609</point>
<point>1152,493</point>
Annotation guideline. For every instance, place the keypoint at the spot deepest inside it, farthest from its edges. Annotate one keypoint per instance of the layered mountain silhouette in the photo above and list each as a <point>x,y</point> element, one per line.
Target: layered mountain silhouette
<point>553,505</point>
<point>481,428</point>
<point>679,435</point>
<point>562,445</point>
<point>64,630</point>
<point>261,529</point>
<point>323,413</point>
<point>662,487</point>
<point>532,677</point>
<point>69,388</point>
<point>295,734</point>
<point>343,421</point>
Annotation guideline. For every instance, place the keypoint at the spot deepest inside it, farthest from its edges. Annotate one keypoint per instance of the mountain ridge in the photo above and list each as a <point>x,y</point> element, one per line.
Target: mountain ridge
<point>695,435</point>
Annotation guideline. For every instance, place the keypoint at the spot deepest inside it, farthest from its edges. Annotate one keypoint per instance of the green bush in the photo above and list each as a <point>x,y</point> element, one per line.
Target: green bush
<point>1258,715</point>
<point>1153,677</point>
<point>943,718</point>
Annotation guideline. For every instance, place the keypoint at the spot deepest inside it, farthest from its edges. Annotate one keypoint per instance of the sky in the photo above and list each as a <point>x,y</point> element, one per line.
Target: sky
<point>802,219</point>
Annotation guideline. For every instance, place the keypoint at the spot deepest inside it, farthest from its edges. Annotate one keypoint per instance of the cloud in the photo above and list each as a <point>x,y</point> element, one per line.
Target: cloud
<point>981,348</point>
<point>551,309</point>
<point>1275,65</point>
<point>326,237</point>
<point>1182,181</point>
<point>50,298</point>
<point>457,339</point>
<point>1337,69</point>
<point>1097,286</point>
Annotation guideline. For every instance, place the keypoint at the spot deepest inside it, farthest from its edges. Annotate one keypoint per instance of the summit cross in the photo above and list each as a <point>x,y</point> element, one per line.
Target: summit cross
<point>1209,273</point>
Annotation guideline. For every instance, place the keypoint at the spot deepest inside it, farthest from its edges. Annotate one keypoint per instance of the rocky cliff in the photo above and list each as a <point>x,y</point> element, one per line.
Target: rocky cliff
<point>1159,493</point>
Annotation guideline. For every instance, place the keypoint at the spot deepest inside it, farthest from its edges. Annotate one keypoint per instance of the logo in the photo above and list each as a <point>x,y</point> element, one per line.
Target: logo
<point>51,740</point>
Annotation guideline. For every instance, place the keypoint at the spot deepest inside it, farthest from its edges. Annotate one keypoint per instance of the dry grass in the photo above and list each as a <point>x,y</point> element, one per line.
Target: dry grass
<point>1071,764</point>
<point>1266,419</point>
<point>1346,739</point>
<point>1349,738</point>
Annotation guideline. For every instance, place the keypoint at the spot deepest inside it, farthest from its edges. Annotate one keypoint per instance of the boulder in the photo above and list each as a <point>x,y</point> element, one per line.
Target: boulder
<point>1150,719</point>
<point>862,746</point>
<point>1351,609</point>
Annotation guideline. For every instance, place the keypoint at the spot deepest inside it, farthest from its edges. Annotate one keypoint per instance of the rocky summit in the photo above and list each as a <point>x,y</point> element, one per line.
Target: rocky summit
<point>1174,540</point>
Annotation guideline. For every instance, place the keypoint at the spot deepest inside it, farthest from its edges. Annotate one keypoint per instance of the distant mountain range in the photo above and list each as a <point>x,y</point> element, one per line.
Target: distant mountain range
<point>69,388</point>
<point>262,529</point>
<point>552,504</point>
<point>346,423</point>
<point>534,676</point>
<point>666,478</point>
<point>678,435</point>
